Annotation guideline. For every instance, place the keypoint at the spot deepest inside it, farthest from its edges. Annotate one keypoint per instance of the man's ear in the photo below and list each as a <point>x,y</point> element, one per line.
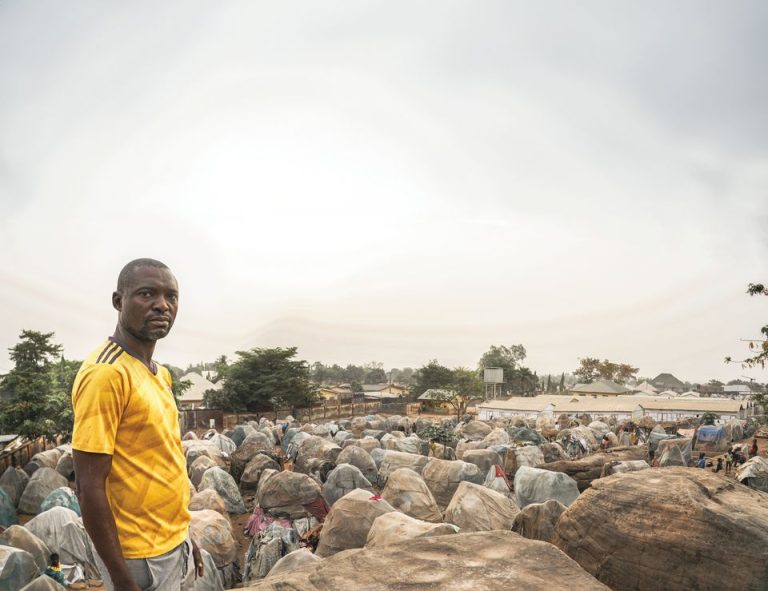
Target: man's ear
<point>117,301</point>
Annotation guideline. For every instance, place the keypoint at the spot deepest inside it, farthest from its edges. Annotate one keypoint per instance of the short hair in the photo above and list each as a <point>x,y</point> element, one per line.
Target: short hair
<point>126,275</point>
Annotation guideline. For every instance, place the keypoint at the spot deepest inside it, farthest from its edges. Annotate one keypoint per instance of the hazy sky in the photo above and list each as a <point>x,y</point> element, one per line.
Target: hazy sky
<point>392,181</point>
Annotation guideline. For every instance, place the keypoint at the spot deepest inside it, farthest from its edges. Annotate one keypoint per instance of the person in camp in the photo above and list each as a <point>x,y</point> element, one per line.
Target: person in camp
<point>131,474</point>
<point>54,570</point>
<point>753,448</point>
<point>702,463</point>
<point>719,465</point>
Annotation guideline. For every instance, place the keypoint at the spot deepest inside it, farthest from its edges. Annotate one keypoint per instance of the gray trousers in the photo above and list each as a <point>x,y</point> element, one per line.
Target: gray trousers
<point>172,571</point>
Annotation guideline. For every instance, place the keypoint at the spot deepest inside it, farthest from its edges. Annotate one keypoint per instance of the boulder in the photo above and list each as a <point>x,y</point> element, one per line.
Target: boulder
<point>350,520</point>
<point>487,561</point>
<point>553,452</point>
<point>14,481</point>
<point>367,443</point>
<point>586,469</point>
<point>20,537</point>
<point>484,459</point>
<point>496,437</point>
<point>249,481</point>
<point>685,516</point>
<point>208,499</point>
<point>211,579</point>
<point>315,448</point>
<point>198,468</point>
<point>443,477</point>
<point>523,435</point>
<point>622,467</point>
<point>393,460</point>
<point>240,432</point>
<point>343,479</point>
<point>537,521</point>
<point>287,493</point>
<point>17,568</point>
<point>442,452</point>
<point>61,497</point>
<point>189,436</point>
<point>43,459</point>
<point>599,429</point>
<point>361,459</point>
<point>225,485</point>
<point>477,508</point>
<point>213,533</point>
<point>395,527</point>
<point>341,437</point>
<point>294,560</point>
<point>224,443</point>
<point>42,483</point>
<point>464,446</point>
<point>267,548</point>
<point>533,485</point>
<point>195,448</point>
<point>474,430</point>
<point>406,491</point>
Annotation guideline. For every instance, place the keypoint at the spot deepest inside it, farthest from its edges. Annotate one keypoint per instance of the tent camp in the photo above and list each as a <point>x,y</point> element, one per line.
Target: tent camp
<point>711,438</point>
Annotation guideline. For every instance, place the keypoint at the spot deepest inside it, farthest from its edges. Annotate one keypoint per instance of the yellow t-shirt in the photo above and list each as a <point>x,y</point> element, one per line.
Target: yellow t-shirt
<point>121,408</point>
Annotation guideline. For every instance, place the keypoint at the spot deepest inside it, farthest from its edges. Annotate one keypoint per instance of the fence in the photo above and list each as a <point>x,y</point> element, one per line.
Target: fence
<point>24,452</point>
<point>190,420</point>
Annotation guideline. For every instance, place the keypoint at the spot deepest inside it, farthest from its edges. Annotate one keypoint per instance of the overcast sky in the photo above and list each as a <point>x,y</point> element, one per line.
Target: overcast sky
<point>392,181</point>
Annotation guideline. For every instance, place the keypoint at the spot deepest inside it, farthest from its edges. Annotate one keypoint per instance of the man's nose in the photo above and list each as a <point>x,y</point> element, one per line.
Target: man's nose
<point>161,304</point>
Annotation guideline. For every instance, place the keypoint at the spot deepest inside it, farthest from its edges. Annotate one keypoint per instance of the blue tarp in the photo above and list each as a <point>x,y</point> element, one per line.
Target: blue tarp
<point>710,433</point>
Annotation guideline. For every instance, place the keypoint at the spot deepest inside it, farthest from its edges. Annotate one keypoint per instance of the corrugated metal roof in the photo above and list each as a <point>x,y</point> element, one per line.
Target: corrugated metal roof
<point>602,404</point>
<point>600,387</point>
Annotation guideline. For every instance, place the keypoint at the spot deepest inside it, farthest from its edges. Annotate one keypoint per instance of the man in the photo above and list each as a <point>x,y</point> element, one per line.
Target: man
<point>129,465</point>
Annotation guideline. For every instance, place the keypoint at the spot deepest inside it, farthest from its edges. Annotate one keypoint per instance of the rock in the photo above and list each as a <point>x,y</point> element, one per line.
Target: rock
<point>496,437</point>
<point>367,443</point>
<point>287,492</point>
<point>477,508</point>
<point>249,481</point>
<point>482,458</point>
<point>17,568</point>
<point>350,520</point>
<point>315,448</point>
<point>225,485</point>
<point>442,452</point>
<point>553,452</point>
<point>533,485</point>
<point>267,548</point>
<point>341,437</point>
<point>61,497</point>
<point>189,436</point>
<point>224,443</point>
<point>208,499</point>
<point>43,583</point>
<point>294,560</point>
<point>14,481</point>
<point>599,429</point>
<point>523,435</point>
<point>443,477</point>
<point>487,561</point>
<point>586,469</point>
<point>43,459</point>
<point>198,468</point>
<point>343,479</point>
<point>537,521</point>
<point>42,483</point>
<point>474,430</point>
<point>20,537</point>
<point>395,527</point>
<point>213,533</point>
<point>685,516</point>
<point>393,460</point>
<point>622,467</point>
<point>406,491</point>
<point>195,448</point>
<point>361,459</point>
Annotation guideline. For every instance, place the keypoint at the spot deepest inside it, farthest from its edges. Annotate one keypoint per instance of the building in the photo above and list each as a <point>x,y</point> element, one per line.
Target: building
<point>622,407</point>
<point>381,391</point>
<point>193,397</point>
<point>646,388</point>
<point>335,393</point>
<point>737,391</point>
<point>600,388</point>
<point>666,381</point>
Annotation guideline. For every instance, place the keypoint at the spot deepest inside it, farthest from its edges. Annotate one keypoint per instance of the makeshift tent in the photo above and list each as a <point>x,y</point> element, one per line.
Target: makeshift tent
<point>711,438</point>
<point>17,568</point>
<point>754,473</point>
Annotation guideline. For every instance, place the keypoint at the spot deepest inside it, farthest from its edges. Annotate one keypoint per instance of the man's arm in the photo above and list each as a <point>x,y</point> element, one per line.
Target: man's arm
<point>91,471</point>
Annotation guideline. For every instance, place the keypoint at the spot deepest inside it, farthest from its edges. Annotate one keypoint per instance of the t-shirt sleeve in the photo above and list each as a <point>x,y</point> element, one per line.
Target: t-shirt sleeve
<point>98,403</point>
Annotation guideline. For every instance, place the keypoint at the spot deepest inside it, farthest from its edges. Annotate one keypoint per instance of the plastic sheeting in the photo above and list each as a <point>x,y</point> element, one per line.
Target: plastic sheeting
<point>477,508</point>
<point>406,491</point>
<point>62,531</point>
<point>754,473</point>
<point>533,485</point>
<point>17,568</point>
<point>267,548</point>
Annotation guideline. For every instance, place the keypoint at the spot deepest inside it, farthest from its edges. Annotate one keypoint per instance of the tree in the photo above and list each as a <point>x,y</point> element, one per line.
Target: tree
<point>591,369</point>
<point>375,376</point>
<point>464,387</point>
<point>758,347</point>
<point>561,388</point>
<point>36,392</point>
<point>431,376</point>
<point>261,379</point>
<point>516,377</point>
<point>220,366</point>
<point>178,386</point>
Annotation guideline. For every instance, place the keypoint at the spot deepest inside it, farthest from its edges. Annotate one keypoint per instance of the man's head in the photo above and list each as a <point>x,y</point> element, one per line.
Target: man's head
<point>147,298</point>
<point>54,559</point>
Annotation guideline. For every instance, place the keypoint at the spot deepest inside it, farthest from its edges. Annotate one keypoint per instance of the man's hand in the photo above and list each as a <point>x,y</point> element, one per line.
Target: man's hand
<point>198,558</point>
<point>129,585</point>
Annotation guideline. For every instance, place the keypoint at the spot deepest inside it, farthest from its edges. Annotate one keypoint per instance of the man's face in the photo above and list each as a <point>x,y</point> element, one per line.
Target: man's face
<point>148,304</point>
